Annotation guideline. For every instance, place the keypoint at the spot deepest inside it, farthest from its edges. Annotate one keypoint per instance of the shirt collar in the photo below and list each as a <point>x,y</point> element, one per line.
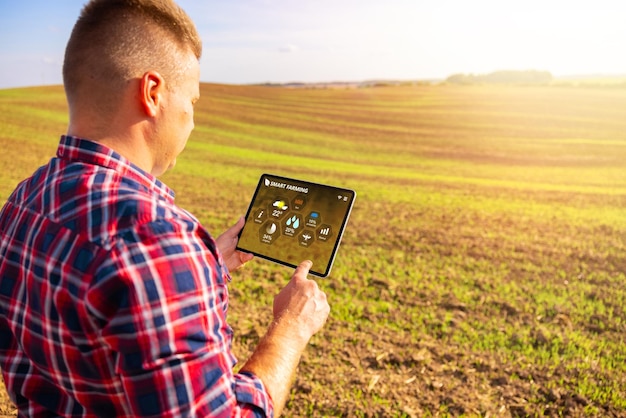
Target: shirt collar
<point>72,148</point>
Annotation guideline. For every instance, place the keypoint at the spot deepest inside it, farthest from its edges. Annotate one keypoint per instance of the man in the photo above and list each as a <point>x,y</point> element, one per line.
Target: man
<point>113,299</point>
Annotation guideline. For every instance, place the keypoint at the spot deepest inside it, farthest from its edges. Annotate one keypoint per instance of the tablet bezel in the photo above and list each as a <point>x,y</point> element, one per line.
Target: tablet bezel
<point>330,189</point>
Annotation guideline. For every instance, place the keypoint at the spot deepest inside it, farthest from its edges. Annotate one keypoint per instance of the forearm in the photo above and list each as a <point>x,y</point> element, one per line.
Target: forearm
<point>276,359</point>
<point>300,310</point>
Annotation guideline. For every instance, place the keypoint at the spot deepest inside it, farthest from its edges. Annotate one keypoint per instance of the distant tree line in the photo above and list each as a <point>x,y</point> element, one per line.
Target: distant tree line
<point>503,77</point>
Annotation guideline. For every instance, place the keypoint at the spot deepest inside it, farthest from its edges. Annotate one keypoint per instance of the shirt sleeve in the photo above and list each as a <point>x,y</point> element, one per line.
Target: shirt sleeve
<point>162,300</point>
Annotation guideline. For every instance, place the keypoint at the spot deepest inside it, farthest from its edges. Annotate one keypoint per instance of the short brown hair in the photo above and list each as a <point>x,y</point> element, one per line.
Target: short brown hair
<point>114,41</point>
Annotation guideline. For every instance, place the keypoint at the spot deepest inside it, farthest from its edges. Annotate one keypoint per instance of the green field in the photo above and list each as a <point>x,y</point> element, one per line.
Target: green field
<point>483,271</point>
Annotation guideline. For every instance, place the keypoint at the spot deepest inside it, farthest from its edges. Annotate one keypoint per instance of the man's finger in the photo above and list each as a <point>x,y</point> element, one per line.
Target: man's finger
<point>303,269</point>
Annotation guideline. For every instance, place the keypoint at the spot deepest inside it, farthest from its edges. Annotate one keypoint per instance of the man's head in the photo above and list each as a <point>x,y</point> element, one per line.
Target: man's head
<point>134,57</point>
<point>115,41</point>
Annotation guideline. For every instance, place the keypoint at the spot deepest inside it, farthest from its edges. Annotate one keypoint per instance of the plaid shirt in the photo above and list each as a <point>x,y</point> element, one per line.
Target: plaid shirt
<point>112,299</point>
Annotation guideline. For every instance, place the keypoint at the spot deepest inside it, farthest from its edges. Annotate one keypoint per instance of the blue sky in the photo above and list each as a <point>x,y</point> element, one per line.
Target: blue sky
<point>255,41</point>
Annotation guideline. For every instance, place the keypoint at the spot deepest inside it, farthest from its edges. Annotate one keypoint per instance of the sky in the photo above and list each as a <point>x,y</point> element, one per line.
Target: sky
<point>280,41</point>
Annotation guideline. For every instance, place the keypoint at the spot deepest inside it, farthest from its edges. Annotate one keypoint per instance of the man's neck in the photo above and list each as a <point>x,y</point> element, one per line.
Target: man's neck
<point>129,143</point>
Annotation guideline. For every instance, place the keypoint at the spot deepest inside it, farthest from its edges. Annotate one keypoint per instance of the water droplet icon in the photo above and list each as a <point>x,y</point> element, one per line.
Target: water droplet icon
<point>293,220</point>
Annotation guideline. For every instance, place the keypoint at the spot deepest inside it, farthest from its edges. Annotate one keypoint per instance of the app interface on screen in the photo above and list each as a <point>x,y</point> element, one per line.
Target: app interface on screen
<point>292,221</point>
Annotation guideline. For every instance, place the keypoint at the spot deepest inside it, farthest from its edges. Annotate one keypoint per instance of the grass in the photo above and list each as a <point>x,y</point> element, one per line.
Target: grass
<point>483,268</point>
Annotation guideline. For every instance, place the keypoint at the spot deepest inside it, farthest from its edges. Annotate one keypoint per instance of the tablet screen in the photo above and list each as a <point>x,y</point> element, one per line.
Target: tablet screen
<point>289,221</point>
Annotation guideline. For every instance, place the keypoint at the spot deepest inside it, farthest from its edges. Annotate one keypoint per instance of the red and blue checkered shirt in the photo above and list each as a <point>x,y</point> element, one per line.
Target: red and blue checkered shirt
<point>112,299</point>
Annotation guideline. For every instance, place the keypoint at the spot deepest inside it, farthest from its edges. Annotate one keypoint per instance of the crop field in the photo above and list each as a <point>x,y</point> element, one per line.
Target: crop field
<point>483,270</point>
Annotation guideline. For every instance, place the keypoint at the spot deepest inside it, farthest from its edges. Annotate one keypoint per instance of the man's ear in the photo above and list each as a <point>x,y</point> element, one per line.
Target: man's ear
<point>151,89</point>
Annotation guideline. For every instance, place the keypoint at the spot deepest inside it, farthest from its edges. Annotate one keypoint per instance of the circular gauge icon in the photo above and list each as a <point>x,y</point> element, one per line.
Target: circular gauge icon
<point>271,228</point>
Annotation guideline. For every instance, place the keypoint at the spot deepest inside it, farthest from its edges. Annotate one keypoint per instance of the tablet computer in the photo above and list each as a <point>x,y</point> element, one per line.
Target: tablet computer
<point>289,221</point>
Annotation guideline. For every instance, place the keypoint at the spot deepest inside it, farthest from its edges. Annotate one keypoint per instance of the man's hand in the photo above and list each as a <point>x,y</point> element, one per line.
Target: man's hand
<point>300,310</point>
<point>301,304</point>
<point>227,242</point>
